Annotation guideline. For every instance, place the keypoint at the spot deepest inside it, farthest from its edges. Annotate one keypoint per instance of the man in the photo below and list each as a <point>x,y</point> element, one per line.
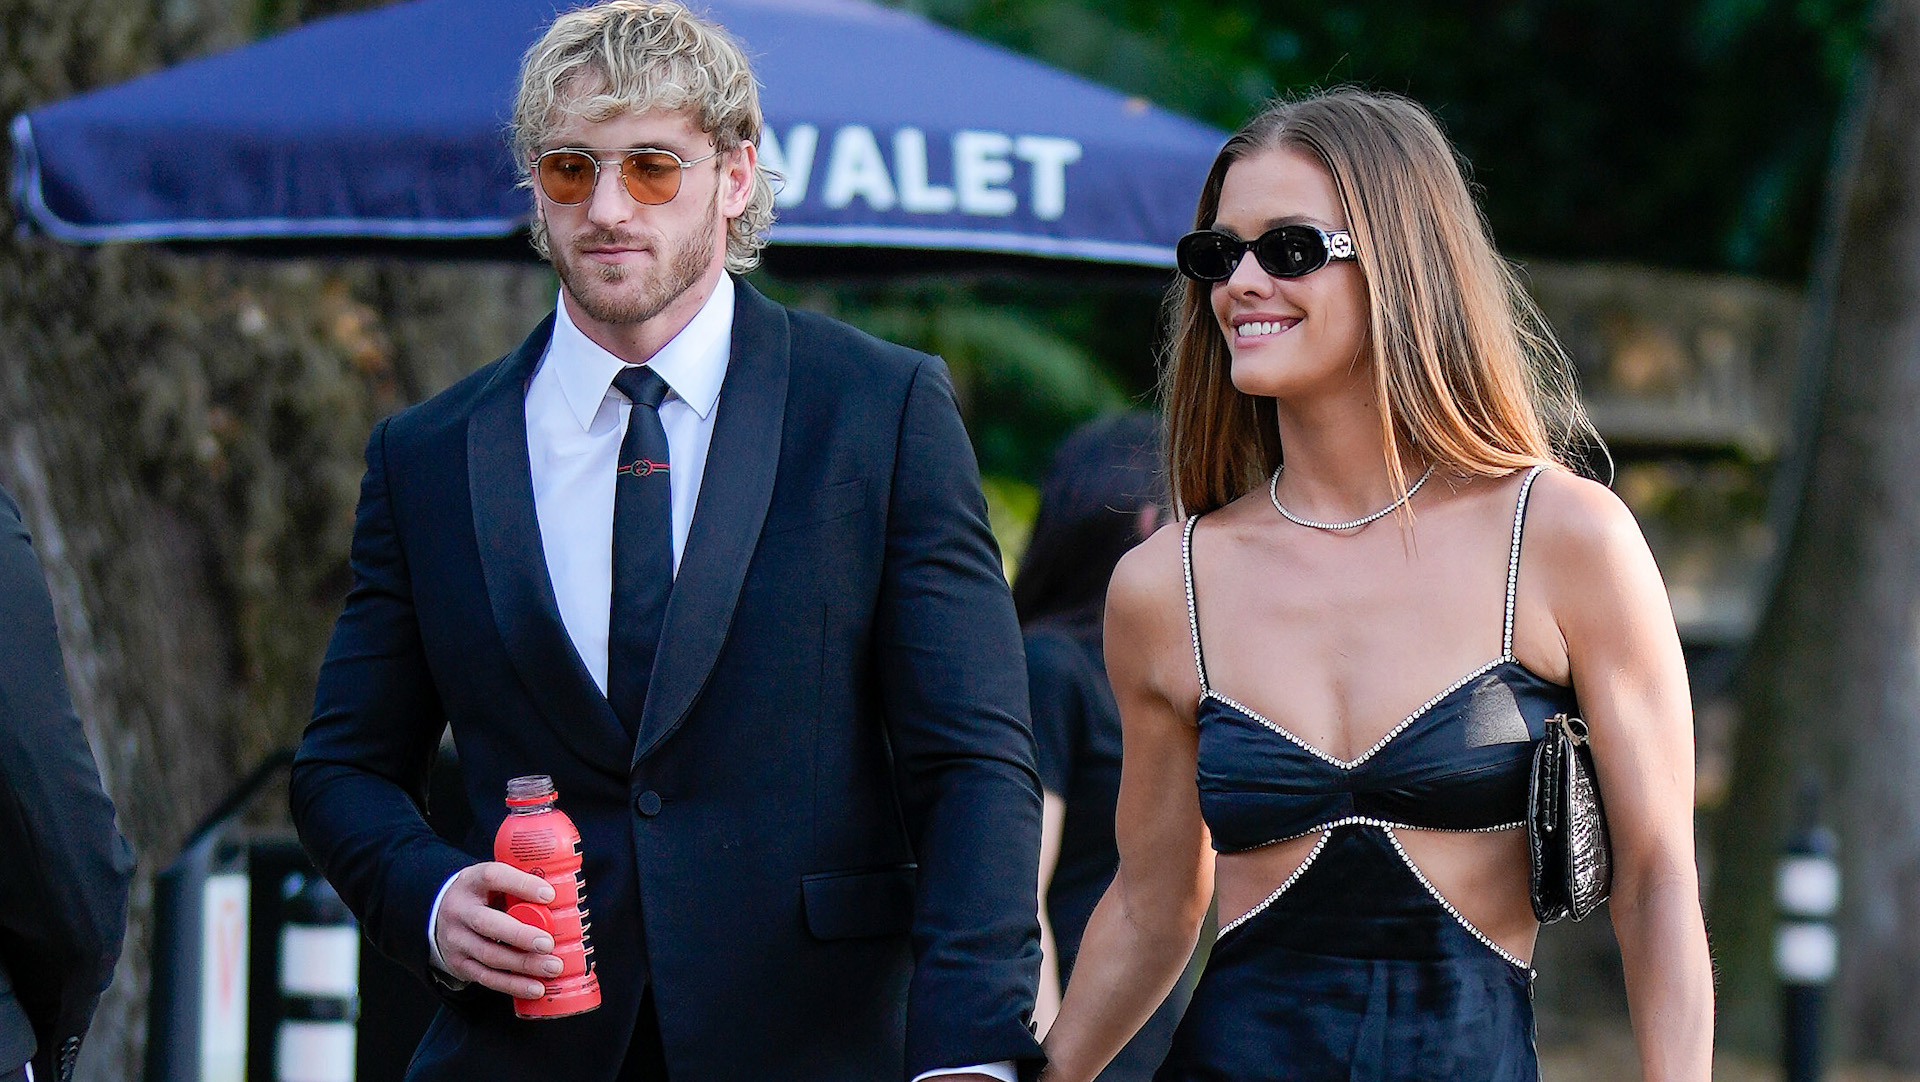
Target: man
<point>720,569</point>
<point>64,868</point>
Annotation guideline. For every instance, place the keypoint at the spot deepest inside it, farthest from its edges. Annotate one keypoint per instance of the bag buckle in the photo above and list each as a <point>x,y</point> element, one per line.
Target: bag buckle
<point>1575,728</point>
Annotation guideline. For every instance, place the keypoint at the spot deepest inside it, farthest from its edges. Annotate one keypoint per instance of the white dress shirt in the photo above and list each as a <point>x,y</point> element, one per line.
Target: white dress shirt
<point>576,421</point>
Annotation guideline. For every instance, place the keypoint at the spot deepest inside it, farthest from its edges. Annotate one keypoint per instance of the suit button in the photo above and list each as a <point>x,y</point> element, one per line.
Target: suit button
<point>647,803</point>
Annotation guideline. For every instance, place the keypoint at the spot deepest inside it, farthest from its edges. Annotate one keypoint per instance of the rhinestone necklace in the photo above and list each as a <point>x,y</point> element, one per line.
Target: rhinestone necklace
<point>1273,493</point>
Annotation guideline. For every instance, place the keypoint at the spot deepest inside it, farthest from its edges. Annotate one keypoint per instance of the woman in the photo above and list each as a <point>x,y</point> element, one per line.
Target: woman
<point>1386,584</point>
<point>1103,495</point>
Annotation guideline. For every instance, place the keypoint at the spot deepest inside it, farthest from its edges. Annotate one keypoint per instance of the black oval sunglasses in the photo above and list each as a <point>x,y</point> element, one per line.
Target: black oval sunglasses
<point>1286,251</point>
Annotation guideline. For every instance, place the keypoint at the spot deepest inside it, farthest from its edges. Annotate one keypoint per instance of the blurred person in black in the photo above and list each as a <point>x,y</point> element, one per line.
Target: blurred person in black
<point>63,891</point>
<point>1103,494</point>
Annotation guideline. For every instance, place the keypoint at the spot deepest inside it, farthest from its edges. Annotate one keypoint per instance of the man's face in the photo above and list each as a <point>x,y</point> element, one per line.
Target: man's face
<point>622,261</point>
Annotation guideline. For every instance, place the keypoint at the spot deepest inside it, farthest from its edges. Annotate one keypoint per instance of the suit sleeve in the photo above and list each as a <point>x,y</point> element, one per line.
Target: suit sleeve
<point>63,897</point>
<point>954,692</point>
<point>359,780</point>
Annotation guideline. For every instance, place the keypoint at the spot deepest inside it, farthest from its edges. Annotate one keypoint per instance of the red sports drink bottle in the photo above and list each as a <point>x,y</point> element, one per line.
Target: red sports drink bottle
<point>538,838</point>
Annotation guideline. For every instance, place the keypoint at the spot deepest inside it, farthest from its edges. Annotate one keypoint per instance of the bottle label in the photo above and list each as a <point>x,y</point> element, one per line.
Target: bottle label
<point>531,845</point>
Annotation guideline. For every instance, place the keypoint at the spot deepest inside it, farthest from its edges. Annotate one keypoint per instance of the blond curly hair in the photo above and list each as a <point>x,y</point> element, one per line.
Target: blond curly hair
<point>629,56</point>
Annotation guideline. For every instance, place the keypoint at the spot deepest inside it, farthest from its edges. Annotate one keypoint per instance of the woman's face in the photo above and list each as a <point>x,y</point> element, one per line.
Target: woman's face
<point>1289,337</point>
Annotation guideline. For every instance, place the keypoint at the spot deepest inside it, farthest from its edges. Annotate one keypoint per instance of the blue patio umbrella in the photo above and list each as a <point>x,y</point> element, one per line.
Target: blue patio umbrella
<point>891,132</point>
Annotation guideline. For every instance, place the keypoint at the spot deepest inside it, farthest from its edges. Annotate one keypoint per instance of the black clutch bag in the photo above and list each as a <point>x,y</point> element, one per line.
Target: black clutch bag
<point>1571,868</point>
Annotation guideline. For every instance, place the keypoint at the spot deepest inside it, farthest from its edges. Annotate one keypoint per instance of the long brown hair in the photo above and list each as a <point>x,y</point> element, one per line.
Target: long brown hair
<point>1469,373</point>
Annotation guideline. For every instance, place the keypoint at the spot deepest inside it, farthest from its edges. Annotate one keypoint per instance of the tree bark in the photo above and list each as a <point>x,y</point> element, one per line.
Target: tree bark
<point>184,436</point>
<point>1832,684</point>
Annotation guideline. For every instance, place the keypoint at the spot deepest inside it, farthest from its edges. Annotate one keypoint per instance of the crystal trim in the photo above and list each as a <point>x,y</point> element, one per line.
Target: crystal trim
<point>1193,613</point>
<point>1506,644</point>
<point>1513,559</point>
<point>1485,939</point>
<point>1349,764</point>
<point>1367,820</point>
<point>1325,830</point>
<point>1243,918</point>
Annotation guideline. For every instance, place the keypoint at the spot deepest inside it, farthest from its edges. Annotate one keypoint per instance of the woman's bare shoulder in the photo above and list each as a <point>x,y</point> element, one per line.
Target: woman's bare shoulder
<point>1574,521</point>
<point>1149,652</point>
<point>1589,554</point>
<point>1151,578</point>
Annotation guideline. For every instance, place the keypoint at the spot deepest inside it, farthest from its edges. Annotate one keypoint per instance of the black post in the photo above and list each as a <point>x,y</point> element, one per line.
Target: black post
<point>1806,949</point>
<point>319,984</point>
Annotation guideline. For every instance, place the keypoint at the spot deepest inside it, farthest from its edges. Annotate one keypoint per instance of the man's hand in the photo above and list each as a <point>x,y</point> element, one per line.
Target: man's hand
<point>480,943</point>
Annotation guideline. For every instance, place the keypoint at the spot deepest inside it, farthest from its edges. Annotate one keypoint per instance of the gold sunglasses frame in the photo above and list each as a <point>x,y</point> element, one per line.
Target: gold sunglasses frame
<point>626,182</point>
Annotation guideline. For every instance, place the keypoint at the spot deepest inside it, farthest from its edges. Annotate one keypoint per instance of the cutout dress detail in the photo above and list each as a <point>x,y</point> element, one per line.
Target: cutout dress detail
<point>1356,967</point>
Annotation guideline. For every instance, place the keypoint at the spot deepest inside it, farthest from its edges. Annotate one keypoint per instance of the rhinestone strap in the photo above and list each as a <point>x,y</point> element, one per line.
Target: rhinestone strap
<point>1243,918</point>
<point>1485,939</point>
<point>1273,493</point>
<point>1325,830</point>
<point>1193,613</point>
<point>1513,560</point>
<point>1349,764</point>
<point>1384,824</point>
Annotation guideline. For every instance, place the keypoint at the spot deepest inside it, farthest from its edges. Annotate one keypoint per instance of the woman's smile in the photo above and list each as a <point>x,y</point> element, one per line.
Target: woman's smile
<point>1263,316</point>
<point>1254,329</point>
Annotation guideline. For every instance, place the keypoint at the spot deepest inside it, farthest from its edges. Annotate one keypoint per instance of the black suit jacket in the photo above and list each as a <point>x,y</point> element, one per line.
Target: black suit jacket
<point>63,866</point>
<point>821,851</point>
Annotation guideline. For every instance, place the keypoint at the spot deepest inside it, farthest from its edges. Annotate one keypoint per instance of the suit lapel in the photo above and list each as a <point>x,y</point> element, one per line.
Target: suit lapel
<point>514,565</point>
<point>734,493</point>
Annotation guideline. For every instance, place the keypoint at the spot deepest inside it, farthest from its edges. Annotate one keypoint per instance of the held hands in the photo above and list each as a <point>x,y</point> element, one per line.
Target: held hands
<point>480,943</point>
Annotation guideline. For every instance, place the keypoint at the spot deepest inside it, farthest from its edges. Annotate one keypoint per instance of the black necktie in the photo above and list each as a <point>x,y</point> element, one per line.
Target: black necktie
<point>642,546</point>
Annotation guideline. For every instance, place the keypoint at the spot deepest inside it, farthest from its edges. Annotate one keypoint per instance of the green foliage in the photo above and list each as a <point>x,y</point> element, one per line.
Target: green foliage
<point>1026,363</point>
<point>1683,133</point>
<point>1012,505</point>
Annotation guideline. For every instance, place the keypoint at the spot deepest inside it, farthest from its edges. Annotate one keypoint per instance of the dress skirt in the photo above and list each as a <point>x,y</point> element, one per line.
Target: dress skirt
<point>1356,971</point>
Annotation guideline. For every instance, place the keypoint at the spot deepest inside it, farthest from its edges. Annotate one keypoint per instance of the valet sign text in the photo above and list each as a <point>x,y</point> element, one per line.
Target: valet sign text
<point>989,174</point>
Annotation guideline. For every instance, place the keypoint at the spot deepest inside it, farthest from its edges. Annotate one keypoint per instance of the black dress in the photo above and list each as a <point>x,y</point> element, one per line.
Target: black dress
<point>1356,967</point>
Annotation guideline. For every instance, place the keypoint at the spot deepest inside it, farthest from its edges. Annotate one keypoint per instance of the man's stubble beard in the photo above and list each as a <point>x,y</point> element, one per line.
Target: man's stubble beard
<point>671,278</point>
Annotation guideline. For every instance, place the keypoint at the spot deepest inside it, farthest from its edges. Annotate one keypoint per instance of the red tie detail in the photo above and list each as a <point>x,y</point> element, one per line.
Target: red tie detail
<point>641,468</point>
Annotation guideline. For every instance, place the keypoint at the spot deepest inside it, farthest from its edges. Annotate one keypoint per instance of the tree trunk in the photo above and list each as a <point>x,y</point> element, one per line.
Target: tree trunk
<point>184,436</point>
<point>1832,686</point>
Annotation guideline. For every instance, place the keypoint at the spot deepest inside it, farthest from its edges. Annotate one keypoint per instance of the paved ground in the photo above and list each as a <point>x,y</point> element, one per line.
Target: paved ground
<point>1610,1057</point>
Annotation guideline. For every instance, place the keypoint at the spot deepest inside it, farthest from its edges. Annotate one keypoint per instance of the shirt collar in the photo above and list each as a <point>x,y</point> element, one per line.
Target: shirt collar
<point>693,362</point>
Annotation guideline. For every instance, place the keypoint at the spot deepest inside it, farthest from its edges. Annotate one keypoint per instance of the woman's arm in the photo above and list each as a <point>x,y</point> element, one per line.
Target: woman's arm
<point>1611,607</point>
<point>1142,932</point>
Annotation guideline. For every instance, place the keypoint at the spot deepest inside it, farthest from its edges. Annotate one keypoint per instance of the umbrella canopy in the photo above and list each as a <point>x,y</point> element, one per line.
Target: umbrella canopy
<point>891,132</point>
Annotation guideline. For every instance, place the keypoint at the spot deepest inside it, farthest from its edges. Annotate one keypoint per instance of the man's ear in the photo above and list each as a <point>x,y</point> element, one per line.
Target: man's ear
<point>743,166</point>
